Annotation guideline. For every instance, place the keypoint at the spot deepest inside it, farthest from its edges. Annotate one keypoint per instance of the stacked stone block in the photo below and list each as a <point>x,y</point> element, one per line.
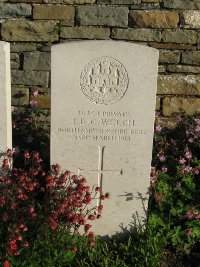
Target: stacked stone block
<point>172,26</point>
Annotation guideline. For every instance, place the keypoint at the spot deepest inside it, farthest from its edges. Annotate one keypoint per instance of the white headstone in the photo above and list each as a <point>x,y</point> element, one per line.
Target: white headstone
<point>5,99</point>
<point>103,108</point>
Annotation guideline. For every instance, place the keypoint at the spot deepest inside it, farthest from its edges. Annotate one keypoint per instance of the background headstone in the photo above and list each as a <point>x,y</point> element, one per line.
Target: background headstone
<point>5,99</point>
<point>103,108</point>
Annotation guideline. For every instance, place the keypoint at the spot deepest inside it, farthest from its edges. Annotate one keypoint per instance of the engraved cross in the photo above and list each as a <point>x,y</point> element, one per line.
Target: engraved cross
<point>100,171</point>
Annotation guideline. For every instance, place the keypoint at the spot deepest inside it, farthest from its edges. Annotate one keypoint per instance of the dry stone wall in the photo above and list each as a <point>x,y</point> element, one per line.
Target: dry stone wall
<point>172,26</point>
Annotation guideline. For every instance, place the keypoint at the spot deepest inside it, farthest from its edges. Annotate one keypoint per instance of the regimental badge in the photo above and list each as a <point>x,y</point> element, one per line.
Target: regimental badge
<point>104,80</point>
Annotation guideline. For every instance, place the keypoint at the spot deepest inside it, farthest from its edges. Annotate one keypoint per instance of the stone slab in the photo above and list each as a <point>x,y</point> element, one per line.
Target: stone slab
<point>5,99</point>
<point>102,120</point>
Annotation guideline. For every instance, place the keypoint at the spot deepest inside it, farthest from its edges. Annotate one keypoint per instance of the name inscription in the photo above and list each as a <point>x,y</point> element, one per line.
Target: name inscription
<point>102,126</point>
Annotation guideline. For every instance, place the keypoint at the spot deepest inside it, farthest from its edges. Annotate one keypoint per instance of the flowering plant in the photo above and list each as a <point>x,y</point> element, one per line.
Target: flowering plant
<point>31,131</point>
<point>175,183</point>
<point>35,203</point>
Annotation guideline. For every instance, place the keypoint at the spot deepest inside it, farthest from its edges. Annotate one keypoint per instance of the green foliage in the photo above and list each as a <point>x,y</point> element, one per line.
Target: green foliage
<point>144,250</point>
<point>31,132</point>
<point>48,249</point>
<point>174,208</point>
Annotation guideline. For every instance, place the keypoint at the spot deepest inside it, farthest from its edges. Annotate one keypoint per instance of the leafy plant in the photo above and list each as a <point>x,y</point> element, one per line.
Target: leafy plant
<point>40,210</point>
<point>175,184</point>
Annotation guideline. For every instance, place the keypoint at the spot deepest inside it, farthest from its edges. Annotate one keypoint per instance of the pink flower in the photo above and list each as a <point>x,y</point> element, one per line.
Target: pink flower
<point>153,180</point>
<point>178,119</point>
<point>91,244</point>
<point>188,155</point>
<point>97,189</point>
<point>6,264</point>
<point>162,158</point>
<point>87,227</point>
<point>158,128</point>
<point>107,195</point>
<point>197,121</point>
<point>188,169</point>
<point>100,208</point>
<point>73,249</point>
<point>35,93</point>
<point>196,170</point>
<point>91,235</point>
<point>34,104</point>
<point>190,214</point>
<point>197,215</point>
<point>9,153</point>
<point>182,161</point>
<point>191,140</point>
<point>197,129</point>
<point>53,224</point>
<point>5,217</point>
<point>164,169</point>
<point>25,244</point>
<point>91,217</point>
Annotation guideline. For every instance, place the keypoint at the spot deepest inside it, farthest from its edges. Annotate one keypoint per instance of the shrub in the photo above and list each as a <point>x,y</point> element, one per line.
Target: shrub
<point>175,184</point>
<point>39,211</point>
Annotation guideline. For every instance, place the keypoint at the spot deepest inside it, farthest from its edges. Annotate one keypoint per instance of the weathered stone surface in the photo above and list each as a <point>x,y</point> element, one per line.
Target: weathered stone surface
<point>152,1</point>
<point>20,77</point>
<point>179,84</point>
<point>119,2</point>
<point>46,48</point>
<point>15,10</point>
<point>136,34</point>
<point>166,56</point>
<point>180,36</point>
<point>91,118</point>
<point>85,33</point>
<point>198,42</point>
<point>15,62</point>
<point>191,19</point>
<point>162,69</point>
<point>5,100</point>
<point>182,4</point>
<point>69,1</point>
<point>146,6</point>
<point>20,47</point>
<point>183,69</point>
<point>180,105</point>
<point>102,15</point>
<point>43,90</point>
<point>20,96</point>
<point>37,61</point>
<point>26,1</point>
<point>154,19</point>
<point>36,31</point>
<point>60,12</point>
<point>157,103</point>
<point>173,46</point>
<point>44,101</point>
<point>167,122</point>
<point>192,57</point>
